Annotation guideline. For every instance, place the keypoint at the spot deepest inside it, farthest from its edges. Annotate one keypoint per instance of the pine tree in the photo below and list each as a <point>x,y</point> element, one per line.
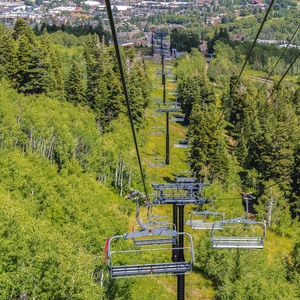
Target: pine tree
<point>74,86</point>
<point>208,148</point>
<point>25,60</point>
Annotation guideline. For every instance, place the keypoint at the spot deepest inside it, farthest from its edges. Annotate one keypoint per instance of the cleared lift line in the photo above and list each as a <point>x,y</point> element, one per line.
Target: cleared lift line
<point>156,232</point>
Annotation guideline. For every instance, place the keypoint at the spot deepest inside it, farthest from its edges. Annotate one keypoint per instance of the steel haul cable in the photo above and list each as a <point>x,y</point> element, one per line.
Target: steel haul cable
<point>247,58</point>
<point>118,54</point>
<point>274,89</point>
<point>270,74</point>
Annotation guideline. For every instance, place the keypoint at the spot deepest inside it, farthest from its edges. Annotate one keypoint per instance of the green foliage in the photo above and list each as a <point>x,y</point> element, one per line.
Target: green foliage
<point>184,41</point>
<point>31,65</point>
<point>34,66</point>
<point>208,149</point>
<point>78,31</point>
<point>244,274</point>
<point>193,87</point>
<point>74,87</point>
<point>221,66</point>
<point>52,226</point>
<point>221,36</point>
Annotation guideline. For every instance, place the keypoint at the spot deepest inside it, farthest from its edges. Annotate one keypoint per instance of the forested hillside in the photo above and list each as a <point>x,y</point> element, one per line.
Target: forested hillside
<point>65,155</point>
<point>255,147</point>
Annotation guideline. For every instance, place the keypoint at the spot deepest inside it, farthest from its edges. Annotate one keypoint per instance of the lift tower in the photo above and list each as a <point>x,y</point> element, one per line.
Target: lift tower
<point>163,51</point>
<point>179,194</point>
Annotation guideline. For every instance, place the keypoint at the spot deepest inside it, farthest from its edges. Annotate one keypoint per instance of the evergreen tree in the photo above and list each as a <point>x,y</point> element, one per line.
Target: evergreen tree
<point>25,60</point>
<point>208,148</point>
<point>74,86</point>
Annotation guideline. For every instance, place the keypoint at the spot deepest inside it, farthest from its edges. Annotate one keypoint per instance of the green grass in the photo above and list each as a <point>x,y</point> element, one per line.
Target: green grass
<point>250,72</point>
<point>275,244</point>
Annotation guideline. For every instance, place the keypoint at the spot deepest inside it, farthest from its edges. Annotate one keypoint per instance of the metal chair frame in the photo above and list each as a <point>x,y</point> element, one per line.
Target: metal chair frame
<point>242,242</point>
<point>177,117</point>
<point>185,176</point>
<point>157,130</point>
<point>157,161</point>
<point>151,219</point>
<point>204,216</point>
<point>179,193</point>
<point>153,269</point>
<point>168,107</point>
<point>181,143</point>
<point>174,104</point>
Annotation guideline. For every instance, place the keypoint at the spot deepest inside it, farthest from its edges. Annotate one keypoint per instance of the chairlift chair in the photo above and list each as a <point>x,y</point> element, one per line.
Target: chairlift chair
<point>179,192</point>
<point>181,143</point>
<point>157,130</point>
<point>239,232</point>
<point>168,107</point>
<point>157,161</point>
<point>156,267</point>
<point>177,117</point>
<point>204,219</point>
<point>153,220</point>
<point>174,105</point>
<point>185,176</point>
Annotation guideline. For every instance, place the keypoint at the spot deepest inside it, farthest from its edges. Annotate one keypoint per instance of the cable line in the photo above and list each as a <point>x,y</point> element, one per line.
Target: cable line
<point>269,75</point>
<point>275,88</point>
<point>283,180</point>
<point>118,54</point>
<point>247,58</point>
<point>254,42</point>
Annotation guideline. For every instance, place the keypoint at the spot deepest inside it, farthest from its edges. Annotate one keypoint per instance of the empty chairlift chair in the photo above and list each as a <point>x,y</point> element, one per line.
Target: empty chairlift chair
<point>157,130</point>
<point>156,161</point>
<point>179,193</point>
<point>204,219</point>
<point>181,143</point>
<point>177,117</point>
<point>168,107</point>
<point>157,261</point>
<point>176,105</point>
<point>157,115</point>
<point>185,176</point>
<point>239,232</point>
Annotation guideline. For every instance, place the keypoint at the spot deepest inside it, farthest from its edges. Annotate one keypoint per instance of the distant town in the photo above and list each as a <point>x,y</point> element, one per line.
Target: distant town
<point>134,20</point>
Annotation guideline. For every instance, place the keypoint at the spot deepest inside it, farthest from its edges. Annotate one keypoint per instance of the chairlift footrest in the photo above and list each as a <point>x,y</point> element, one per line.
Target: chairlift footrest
<point>238,242</point>
<point>150,269</point>
<point>148,242</point>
